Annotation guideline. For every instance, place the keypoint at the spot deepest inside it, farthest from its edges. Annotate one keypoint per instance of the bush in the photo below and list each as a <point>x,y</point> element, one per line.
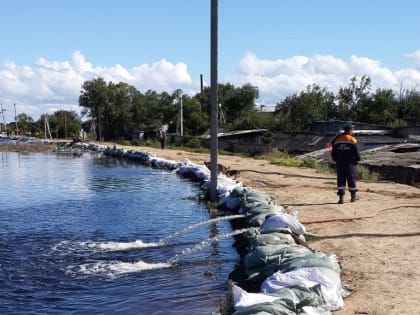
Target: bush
<point>192,142</point>
<point>363,173</point>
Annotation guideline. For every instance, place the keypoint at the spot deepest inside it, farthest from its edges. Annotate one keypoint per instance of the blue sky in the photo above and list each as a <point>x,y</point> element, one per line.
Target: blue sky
<point>48,48</point>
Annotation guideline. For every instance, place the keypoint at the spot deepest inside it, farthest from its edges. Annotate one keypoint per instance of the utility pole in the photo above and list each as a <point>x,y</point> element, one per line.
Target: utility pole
<point>213,102</point>
<point>181,115</point>
<point>16,121</point>
<point>4,122</point>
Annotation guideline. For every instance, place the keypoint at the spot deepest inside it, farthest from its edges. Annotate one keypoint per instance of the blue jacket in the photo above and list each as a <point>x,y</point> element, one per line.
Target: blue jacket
<point>345,152</point>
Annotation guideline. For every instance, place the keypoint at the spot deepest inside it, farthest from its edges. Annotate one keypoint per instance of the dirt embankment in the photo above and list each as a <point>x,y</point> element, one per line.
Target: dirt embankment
<point>380,258</point>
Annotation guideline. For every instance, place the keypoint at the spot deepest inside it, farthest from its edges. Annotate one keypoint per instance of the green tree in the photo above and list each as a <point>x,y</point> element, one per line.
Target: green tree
<point>353,98</point>
<point>196,122</point>
<point>64,124</point>
<point>409,106</point>
<point>26,124</point>
<point>235,102</point>
<point>380,109</point>
<point>296,111</point>
<point>118,123</point>
<point>94,101</point>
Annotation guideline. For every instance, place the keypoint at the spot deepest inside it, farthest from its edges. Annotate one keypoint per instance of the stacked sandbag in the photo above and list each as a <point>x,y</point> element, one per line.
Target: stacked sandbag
<point>186,168</point>
<point>285,277</point>
<point>282,275</point>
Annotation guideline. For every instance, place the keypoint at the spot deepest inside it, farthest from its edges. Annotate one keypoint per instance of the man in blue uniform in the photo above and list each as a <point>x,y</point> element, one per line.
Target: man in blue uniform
<point>346,155</point>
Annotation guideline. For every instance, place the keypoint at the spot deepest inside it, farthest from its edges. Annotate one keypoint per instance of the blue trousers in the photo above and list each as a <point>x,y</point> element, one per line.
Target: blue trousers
<point>346,175</point>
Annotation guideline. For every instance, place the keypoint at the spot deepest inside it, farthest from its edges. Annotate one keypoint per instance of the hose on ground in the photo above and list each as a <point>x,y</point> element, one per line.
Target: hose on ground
<point>319,236</point>
<point>359,217</point>
<point>357,234</point>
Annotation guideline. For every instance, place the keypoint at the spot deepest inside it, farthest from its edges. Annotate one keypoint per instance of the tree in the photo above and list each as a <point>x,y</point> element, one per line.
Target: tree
<point>64,124</point>
<point>296,111</point>
<point>380,109</point>
<point>118,116</point>
<point>196,122</point>
<point>409,106</point>
<point>26,124</point>
<point>353,98</point>
<point>95,102</point>
<point>237,101</point>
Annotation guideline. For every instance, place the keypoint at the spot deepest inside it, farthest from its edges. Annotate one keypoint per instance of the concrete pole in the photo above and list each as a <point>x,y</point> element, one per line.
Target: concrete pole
<point>213,102</point>
<point>16,121</point>
<point>181,115</point>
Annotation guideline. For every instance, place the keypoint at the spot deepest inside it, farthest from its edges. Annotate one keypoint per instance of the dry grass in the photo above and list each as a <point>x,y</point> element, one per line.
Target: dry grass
<point>26,147</point>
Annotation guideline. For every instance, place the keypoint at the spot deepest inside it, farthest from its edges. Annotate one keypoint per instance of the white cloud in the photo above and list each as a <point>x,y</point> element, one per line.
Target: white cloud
<point>48,86</point>
<point>277,79</point>
<point>161,76</point>
<point>415,59</point>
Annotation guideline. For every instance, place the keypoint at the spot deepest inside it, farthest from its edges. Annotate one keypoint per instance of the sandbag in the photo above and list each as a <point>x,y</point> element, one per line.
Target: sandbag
<point>274,238</point>
<point>314,259</point>
<point>307,277</point>
<point>284,220</point>
<point>262,254</point>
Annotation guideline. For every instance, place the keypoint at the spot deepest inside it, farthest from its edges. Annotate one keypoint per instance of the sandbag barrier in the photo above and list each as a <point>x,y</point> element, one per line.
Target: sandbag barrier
<point>277,272</point>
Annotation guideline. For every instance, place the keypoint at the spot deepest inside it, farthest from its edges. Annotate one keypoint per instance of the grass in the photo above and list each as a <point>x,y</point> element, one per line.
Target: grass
<point>26,147</point>
<point>363,173</point>
<point>284,159</point>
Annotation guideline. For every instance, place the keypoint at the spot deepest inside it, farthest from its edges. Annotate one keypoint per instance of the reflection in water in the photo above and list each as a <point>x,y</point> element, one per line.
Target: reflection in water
<point>78,235</point>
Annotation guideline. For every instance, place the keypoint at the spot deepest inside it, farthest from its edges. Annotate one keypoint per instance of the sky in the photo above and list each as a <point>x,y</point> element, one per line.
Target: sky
<point>49,48</point>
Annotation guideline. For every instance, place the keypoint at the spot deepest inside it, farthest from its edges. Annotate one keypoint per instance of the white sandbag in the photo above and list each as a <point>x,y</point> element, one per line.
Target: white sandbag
<point>307,277</point>
<point>243,299</point>
<point>284,220</point>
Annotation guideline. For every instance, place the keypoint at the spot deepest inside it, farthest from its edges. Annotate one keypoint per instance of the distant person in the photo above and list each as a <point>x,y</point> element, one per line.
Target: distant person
<point>162,137</point>
<point>75,140</point>
<point>345,154</point>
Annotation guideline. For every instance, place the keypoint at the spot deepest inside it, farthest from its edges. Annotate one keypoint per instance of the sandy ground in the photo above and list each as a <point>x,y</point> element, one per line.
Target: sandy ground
<point>381,264</point>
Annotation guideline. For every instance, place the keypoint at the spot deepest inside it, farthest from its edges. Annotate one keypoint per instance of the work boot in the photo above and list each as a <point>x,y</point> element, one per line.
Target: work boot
<point>341,200</point>
<point>353,197</point>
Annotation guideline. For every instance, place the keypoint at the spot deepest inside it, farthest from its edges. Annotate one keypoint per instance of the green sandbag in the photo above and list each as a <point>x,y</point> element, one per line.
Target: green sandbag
<point>306,296</point>
<point>278,307</point>
<point>262,254</point>
<point>259,219</point>
<point>249,197</point>
<point>316,259</point>
<point>259,208</point>
<point>271,239</point>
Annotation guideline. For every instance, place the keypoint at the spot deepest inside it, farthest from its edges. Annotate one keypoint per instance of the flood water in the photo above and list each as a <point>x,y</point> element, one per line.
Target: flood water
<point>81,235</point>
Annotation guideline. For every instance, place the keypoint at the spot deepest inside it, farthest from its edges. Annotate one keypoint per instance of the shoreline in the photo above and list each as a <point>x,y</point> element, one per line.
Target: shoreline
<point>380,270</point>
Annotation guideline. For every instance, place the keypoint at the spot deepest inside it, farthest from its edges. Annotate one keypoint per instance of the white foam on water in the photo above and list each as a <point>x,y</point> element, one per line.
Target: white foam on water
<point>103,246</point>
<point>112,269</point>
<point>114,246</point>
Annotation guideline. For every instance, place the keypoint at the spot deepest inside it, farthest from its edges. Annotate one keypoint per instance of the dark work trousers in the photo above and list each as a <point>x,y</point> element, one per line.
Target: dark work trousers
<point>346,174</point>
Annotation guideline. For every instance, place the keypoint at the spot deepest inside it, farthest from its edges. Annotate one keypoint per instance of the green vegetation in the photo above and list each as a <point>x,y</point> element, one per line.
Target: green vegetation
<point>118,111</point>
<point>363,173</point>
<point>284,159</point>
